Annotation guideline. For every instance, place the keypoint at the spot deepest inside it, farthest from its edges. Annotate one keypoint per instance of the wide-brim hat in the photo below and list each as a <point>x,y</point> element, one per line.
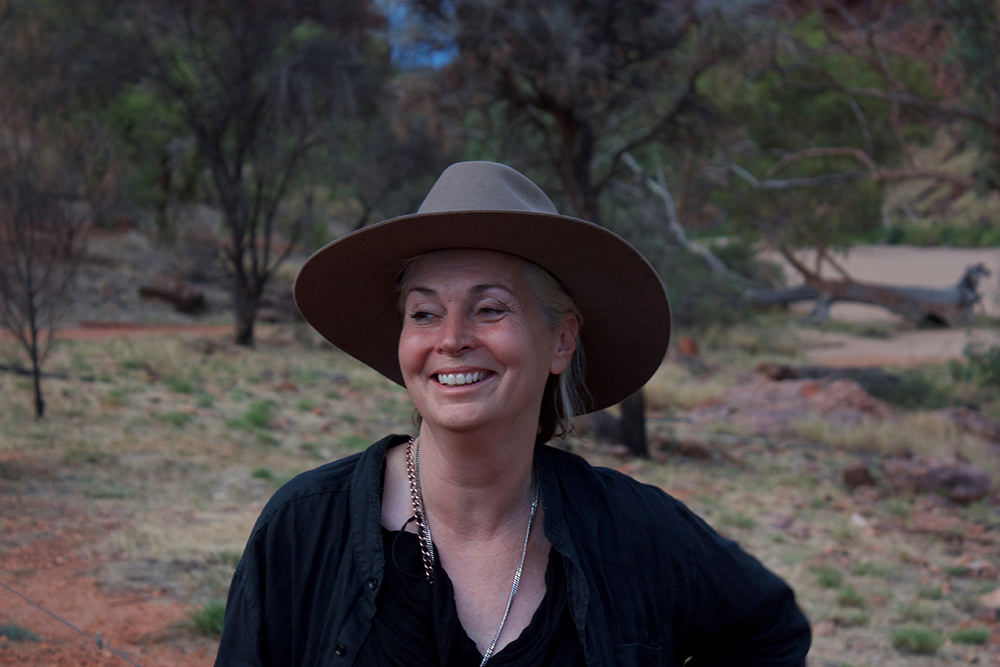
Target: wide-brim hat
<point>347,290</point>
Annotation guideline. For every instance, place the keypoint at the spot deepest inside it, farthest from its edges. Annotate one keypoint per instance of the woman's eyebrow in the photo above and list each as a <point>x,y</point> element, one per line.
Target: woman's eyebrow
<point>485,287</point>
<point>476,289</point>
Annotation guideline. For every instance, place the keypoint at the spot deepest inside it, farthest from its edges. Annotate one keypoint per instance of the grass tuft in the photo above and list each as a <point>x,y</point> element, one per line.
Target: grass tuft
<point>209,618</point>
<point>16,633</point>
<point>917,640</point>
<point>978,636</point>
<point>829,577</point>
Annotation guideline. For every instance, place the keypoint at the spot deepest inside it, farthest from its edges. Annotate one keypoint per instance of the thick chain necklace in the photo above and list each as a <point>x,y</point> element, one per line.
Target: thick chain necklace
<point>427,543</point>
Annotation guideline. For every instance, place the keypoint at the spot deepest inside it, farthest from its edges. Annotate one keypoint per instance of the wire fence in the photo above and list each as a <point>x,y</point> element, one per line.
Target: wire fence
<point>97,639</point>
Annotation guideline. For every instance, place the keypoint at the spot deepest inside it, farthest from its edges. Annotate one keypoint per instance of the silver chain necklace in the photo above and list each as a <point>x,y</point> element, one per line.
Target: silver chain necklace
<point>427,543</point>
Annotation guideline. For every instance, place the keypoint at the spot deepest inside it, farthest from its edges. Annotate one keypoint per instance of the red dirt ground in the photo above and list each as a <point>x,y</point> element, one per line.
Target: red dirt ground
<point>47,554</point>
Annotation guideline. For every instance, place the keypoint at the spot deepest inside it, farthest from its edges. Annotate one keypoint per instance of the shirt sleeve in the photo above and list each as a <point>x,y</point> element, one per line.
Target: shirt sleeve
<point>740,613</point>
<point>242,630</point>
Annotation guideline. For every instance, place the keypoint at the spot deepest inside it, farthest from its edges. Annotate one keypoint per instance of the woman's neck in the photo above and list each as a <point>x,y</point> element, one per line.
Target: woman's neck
<point>475,484</point>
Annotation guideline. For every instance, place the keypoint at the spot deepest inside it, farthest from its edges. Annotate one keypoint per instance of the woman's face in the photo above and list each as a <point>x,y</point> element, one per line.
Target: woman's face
<point>475,349</point>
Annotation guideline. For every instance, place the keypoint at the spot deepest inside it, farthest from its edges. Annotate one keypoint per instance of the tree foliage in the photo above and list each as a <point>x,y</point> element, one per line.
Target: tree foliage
<point>258,87</point>
<point>569,89</point>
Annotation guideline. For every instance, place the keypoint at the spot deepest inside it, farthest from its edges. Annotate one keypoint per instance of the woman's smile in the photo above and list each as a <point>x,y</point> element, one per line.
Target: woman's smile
<point>460,379</point>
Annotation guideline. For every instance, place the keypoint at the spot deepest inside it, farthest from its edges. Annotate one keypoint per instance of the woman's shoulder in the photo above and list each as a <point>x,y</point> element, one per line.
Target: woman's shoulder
<point>308,490</point>
<point>575,472</point>
<point>598,490</point>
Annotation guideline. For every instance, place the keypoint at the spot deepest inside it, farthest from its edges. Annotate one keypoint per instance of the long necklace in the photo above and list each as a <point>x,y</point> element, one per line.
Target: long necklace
<point>427,543</point>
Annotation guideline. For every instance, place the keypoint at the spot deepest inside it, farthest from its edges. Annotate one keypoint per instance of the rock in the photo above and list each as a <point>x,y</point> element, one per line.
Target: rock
<point>687,346</point>
<point>982,569</point>
<point>857,474</point>
<point>957,481</point>
<point>991,600</point>
<point>686,353</point>
<point>975,422</point>
<point>184,297</point>
<point>825,629</point>
<point>693,449</point>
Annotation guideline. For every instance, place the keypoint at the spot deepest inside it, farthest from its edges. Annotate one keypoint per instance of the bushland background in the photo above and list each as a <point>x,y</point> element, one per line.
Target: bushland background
<point>166,166</point>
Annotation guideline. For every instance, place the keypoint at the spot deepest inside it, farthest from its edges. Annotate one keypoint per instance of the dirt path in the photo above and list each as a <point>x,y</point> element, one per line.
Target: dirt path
<point>906,349</point>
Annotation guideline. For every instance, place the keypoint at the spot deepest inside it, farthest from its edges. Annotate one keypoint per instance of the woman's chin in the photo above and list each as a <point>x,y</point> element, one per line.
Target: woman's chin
<point>463,420</point>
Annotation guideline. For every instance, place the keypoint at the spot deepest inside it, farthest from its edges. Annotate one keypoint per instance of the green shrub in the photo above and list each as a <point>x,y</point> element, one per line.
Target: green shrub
<point>916,388</point>
<point>116,397</point>
<point>176,419</point>
<point>916,613</point>
<point>268,475</point>
<point>829,577</point>
<point>930,593</point>
<point>857,619</point>
<point>870,569</point>
<point>208,620</point>
<point>976,234</point>
<point>16,633</point>
<point>971,636</point>
<point>259,414</point>
<point>848,597</point>
<point>352,442</point>
<point>263,473</point>
<point>180,385</point>
<point>918,640</point>
<point>983,365</point>
<point>738,520</point>
<point>305,405</point>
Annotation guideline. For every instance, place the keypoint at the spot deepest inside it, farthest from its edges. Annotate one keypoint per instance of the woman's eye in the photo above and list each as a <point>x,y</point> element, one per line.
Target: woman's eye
<point>420,316</point>
<point>491,311</point>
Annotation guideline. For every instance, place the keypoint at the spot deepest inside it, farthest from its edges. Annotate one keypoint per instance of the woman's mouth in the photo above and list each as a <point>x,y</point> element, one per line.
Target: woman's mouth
<point>458,379</point>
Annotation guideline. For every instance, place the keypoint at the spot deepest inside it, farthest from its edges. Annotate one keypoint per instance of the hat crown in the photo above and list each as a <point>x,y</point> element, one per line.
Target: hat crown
<point>485,186</point>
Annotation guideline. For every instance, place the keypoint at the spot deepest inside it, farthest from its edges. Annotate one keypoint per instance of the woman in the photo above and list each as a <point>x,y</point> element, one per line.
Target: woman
<point>473,542</point>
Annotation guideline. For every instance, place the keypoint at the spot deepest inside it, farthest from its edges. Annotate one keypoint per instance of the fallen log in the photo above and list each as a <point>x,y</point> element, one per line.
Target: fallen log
<point>185,298</point>
<point>872,380</point>
<point>923,306</point>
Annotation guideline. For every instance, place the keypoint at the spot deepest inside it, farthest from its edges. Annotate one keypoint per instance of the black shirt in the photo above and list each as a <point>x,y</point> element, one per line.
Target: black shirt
<point>647,582</point>
<point>416,624</point>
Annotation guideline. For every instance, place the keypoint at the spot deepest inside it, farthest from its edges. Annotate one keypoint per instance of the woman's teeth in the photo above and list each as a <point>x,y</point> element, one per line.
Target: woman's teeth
<point>453,379</point>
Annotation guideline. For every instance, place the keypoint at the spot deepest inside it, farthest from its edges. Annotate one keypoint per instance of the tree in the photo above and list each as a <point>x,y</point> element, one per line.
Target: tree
<point>259,86</point>
<point>834,111</point>
<point>568,89</point>
<point>52,174</point>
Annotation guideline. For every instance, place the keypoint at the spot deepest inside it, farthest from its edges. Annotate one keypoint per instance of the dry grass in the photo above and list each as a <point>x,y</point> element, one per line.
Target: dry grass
<point>921,433</point>
<point>673,387</point>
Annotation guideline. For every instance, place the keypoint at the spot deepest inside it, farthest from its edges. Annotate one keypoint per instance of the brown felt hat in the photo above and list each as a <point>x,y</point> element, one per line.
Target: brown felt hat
<point>347,288</point>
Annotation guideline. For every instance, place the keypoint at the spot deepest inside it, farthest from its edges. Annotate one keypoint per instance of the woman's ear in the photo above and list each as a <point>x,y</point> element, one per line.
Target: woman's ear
<point>566,333</point>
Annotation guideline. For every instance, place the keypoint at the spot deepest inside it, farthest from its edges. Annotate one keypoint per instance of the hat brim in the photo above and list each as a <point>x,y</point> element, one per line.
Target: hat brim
<point>346,289</point>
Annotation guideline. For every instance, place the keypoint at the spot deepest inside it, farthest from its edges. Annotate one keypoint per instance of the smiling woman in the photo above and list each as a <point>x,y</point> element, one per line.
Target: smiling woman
<point>472,540</point>
<point>475,348</point>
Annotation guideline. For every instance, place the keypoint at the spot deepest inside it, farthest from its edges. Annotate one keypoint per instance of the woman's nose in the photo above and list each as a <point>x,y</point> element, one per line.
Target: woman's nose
<point>456,336</point>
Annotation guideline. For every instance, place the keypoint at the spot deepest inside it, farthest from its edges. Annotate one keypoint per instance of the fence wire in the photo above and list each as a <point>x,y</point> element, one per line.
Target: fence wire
<point>101,644</point>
